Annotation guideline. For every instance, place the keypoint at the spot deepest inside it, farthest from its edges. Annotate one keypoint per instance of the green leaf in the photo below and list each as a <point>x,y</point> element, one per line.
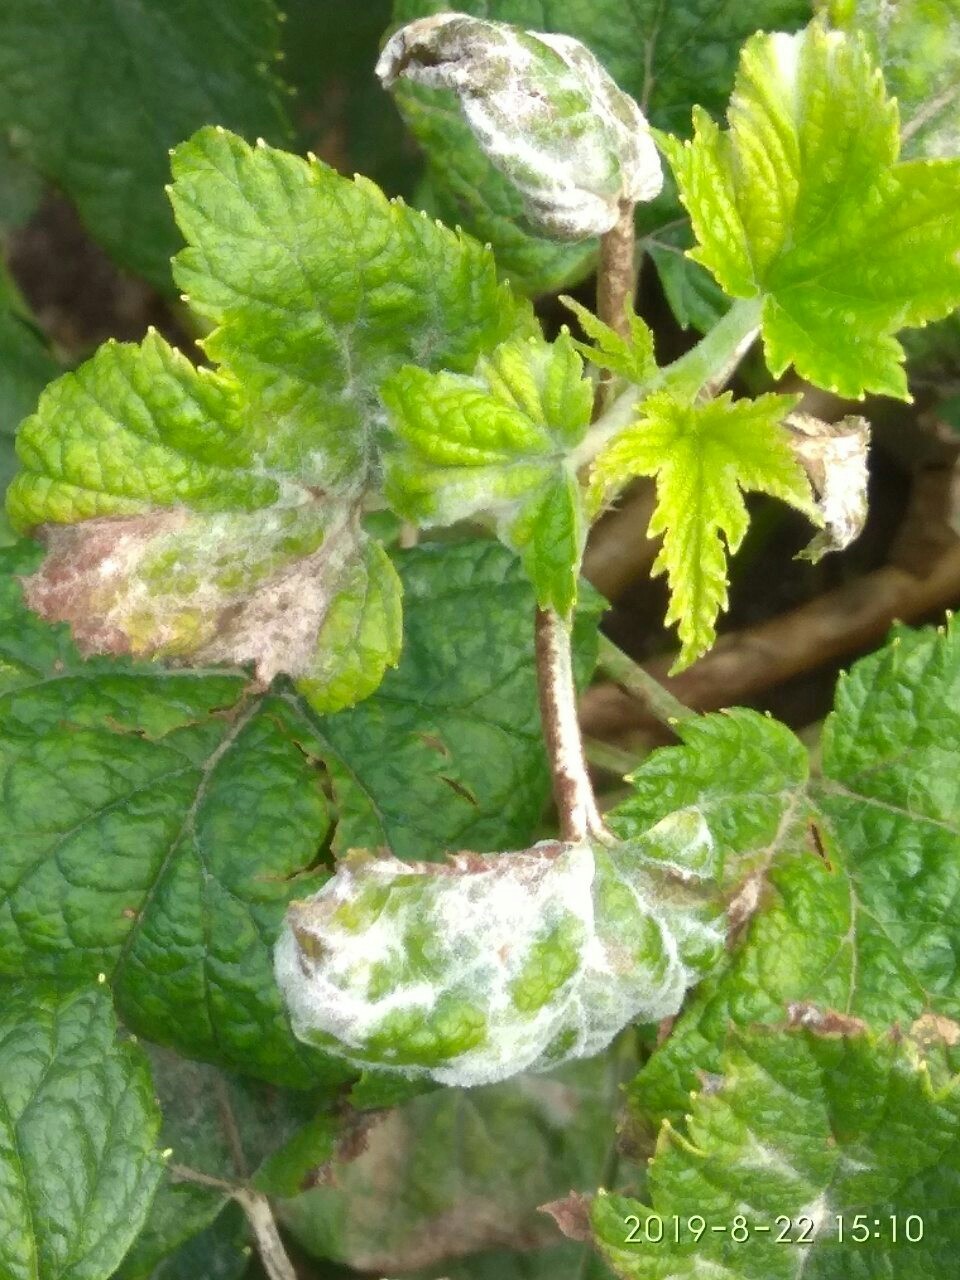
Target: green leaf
<point>848,891</point>
<point>457,1171</point>
<point>498,444</point>
<point>78,1128</point>
<point>320,288</point>
<point>152,823</point>
<point>797,1129</point>
<point>631,358</point>
<point>802,202</point>
<point>219,1252</point>
<point>97,93</point>
<point>665,56</point>
<point>915,43</point>
<point>705,457</point>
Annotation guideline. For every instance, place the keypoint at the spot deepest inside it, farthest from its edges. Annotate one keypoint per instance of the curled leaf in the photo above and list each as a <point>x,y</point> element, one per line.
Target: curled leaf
<point>834,456</point>
<point>473,970</point>
<point>545,112</point>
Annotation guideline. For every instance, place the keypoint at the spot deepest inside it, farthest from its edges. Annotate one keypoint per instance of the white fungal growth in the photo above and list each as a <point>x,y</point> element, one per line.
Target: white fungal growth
<point>488,965</point>
<point>545,112</point>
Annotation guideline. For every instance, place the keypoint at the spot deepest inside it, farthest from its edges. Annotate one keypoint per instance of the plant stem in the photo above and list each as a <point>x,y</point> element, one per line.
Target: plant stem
<point>616,273</point>
<point>609,758</point>
<point>632,677</point>
<point>273,1255</point>
<point>572,788</point>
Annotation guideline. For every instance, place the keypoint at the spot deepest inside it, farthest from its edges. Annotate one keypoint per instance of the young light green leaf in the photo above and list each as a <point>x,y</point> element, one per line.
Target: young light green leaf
<point>631,358</point>
<point>705,457</point>
<point>543,109</point>
<point>498,444</point>
<point>844,1146</point>
<point>96,97</point>
<point>79,1163</point>
<point>320,288</point>
<point>846,880</point>
<point>917,45</point>
<point>802,202</point>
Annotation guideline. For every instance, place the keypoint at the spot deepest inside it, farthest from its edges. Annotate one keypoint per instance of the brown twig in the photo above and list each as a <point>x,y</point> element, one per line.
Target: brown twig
<point>616,273</point>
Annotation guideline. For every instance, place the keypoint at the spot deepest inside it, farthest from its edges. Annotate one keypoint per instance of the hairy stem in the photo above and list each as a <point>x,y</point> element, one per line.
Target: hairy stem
<point>630,676</point>
<point>572,788</point>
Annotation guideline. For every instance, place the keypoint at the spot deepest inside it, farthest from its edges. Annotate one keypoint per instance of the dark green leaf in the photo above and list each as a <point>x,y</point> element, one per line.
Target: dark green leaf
<point>78,1128</point>
<point>98,91</point>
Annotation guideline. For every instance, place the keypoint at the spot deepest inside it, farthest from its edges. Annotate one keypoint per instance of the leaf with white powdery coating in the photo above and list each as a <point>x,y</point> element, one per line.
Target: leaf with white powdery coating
<point>666,56</point>
<point>705,457</point>
<point>320,288</point>
<point>802,202</point>
<point>78,1132</point>
<point>797,1128</point>
<point>498,444</point>
<point>849,895</point>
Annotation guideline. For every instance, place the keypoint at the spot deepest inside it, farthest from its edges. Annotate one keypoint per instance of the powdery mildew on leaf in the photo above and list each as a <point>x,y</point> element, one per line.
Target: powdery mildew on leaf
<point>488,965</point>
<point>545,112</point>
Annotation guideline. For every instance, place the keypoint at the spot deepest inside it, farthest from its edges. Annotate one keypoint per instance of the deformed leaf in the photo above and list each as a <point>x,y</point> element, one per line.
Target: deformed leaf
<point>705,457</point>
<point>845,881</point>
<point>182,507</point>
<point>834,456</point>
<point>545,112</point>
<point>475,969</point>
<point>802,202</point>
<point>845,1146</point>
<point>666,56</point>
<point>78,1129</point>
<point>498,444</point>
